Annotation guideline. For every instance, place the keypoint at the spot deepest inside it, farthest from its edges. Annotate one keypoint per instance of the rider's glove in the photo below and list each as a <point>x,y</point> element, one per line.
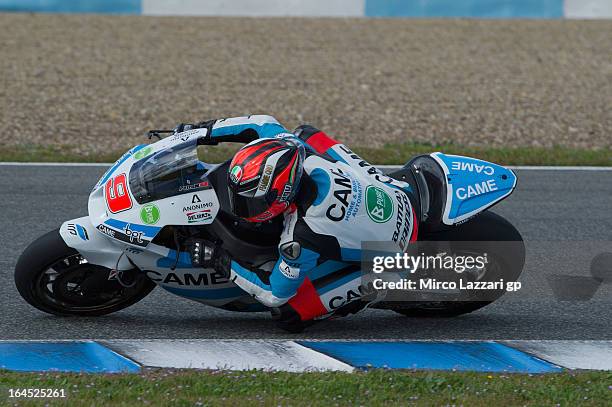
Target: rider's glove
<point>206,140</point>
<point>207,254</point>
<point>181,127</point>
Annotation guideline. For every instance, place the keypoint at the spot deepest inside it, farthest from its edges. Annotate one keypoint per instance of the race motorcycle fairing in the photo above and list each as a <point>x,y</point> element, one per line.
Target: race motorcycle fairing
<point>147,188</point>
<point>160,184</point>
<point>161,213</point>
<point>472,186</point>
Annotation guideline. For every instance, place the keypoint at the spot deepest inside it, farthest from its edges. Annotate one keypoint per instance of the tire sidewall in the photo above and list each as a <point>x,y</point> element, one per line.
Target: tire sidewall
<point>38,257</point>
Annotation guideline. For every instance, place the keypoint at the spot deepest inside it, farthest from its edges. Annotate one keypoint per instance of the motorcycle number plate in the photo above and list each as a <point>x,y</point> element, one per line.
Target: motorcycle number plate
<point>117,195</point>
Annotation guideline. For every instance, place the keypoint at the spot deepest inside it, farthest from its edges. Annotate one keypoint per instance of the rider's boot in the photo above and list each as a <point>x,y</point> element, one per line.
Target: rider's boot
<point>289,320</point>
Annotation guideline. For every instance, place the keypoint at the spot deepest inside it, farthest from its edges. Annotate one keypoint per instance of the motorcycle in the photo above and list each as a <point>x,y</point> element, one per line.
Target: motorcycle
<point>158,216</point>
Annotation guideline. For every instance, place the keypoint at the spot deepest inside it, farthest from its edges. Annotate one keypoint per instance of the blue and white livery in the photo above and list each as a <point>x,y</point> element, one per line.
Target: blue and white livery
<point>472,186</point>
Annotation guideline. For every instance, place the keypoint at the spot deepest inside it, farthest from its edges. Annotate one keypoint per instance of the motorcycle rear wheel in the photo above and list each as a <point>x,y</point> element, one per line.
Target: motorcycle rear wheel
<point>56,279</point>
<point>487,228</point>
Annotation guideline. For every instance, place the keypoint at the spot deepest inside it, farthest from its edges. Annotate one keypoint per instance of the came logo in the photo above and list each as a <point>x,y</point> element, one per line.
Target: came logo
<point>379,204</point>
<point>343,189</point>
<point>149,214</point>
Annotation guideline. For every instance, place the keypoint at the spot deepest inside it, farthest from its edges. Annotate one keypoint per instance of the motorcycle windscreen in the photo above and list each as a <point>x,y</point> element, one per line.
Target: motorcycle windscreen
<point>472,186</point>
<point>172,171</point>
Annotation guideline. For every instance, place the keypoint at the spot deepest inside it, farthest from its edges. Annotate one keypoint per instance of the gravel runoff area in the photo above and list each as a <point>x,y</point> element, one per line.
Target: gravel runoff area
<point>94,83</point>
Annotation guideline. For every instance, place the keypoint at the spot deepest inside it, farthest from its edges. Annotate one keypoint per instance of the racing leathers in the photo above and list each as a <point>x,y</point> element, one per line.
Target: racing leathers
<point>342,201</point>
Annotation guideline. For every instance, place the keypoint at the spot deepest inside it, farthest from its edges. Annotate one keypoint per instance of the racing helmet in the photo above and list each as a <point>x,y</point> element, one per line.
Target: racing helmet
<point>264,177</point>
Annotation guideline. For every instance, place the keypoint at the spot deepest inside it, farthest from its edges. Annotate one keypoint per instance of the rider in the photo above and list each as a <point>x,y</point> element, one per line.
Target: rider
<point>331,200</point>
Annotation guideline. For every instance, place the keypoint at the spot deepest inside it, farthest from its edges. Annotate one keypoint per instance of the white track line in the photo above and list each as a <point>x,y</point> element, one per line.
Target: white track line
<point>265,354</point>
<point>592,355</point>
<point>512,167</point>
<point>287,355</point>
<point>34,164</point>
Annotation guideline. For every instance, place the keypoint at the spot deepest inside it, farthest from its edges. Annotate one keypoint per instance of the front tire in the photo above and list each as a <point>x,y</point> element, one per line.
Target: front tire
<point>56,279</point>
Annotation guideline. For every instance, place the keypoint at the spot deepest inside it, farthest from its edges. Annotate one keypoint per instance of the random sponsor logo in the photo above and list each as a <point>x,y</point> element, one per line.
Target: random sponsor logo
<point>190,187</point>
<point>291,250</point>
<point>149,214</point>
<point>198,206</point>
<point>77,230</point>
<point>117,194</point>
<point>370,168</point>
<point>185,135</point>
<point>264,182</point>
<point>128,235</point>
<point>236,174</point>
<point>198,211</point>
<point>286,192</point>
<point>82,232</point>
<point>198,216</point>
<point>289,271</point>
<point>361,162</point>
<point>142,153</point>
<point>379,205</point>
<point>134,236</point>
<point>403,221</point>
<point>72,229</point>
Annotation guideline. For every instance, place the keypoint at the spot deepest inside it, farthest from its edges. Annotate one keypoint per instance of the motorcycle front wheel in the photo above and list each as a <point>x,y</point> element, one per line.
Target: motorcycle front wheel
<point>56,279</point>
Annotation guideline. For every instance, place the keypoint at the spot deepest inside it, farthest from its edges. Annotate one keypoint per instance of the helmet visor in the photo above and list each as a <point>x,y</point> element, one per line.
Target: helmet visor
<point>247,207</point>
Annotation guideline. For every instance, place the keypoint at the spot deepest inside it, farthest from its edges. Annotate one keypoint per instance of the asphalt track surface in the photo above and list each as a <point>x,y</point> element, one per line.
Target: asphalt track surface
<point>564,206</point>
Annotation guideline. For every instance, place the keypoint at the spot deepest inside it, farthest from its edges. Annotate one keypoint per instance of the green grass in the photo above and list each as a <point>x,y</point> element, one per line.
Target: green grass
<point>67,154</point>
<point>399,154</point>
<point>388,154</point>
<point>53,154</point>
<point>189,387</point>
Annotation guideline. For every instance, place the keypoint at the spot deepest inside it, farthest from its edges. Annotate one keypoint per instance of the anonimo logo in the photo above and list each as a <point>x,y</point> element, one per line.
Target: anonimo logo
<point>379,204</point>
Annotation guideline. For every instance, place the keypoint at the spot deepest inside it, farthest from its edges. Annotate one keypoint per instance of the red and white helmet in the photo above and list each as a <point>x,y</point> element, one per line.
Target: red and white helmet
<point>264,178</point>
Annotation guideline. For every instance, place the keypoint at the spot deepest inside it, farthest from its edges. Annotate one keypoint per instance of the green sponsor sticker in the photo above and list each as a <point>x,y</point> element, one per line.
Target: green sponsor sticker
<point>379,204</point>
<point>149,214</point>
<point>143,153</point>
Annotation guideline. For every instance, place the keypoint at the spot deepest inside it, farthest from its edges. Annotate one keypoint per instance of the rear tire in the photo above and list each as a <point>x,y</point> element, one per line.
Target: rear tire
<point>56,279</point>
<point>486,227</point>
